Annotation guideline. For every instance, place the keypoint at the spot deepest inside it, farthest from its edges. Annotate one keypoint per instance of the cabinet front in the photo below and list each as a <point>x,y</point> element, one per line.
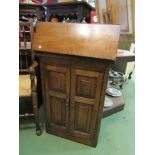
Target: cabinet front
<point>56,80</point>
<point>85,95</point>
<point>72,93</point>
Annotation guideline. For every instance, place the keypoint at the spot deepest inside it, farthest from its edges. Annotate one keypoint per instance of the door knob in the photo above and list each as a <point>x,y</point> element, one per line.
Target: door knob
<point>72,105</point>
<point>67,102</point>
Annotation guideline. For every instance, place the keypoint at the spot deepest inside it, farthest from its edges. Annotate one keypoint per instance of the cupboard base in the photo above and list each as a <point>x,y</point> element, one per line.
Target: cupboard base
<point>69,137</point>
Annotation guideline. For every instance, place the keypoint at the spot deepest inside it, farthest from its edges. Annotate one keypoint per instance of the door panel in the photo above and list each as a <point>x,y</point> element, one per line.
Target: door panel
<point>57,111</point>
<point>56,81</point>
<point>82,116</point>
<point>57,88</point>
<point>86,86</point>
<point>85,94</point>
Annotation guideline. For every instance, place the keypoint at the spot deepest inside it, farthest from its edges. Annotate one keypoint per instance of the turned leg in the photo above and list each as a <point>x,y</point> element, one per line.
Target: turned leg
<point>35,104</point>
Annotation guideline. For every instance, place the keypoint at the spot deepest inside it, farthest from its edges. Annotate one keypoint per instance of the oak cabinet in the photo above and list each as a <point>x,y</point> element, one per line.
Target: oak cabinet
<point>72,96</point>
<point>74,72</point>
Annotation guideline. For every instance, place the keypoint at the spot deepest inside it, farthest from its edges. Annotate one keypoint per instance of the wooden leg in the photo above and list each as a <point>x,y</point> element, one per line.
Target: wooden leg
<point>130,76</point>
<point>121,86</point>
<point>35,104</point>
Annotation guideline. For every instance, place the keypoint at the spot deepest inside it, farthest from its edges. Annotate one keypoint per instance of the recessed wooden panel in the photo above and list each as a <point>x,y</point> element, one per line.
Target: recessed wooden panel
<point>85,93</point>
<point>83,115</point>
<point>86,86</point>
<point>58,111</point>
<point>57,88</point>
<point>57,81</point>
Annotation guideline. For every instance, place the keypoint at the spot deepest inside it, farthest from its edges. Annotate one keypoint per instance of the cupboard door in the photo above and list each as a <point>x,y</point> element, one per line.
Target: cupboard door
<point>57,88</point>
<point>85,95</point>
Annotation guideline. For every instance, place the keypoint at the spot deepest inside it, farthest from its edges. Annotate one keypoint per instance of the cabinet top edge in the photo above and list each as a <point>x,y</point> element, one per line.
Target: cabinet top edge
<point>85,40</point>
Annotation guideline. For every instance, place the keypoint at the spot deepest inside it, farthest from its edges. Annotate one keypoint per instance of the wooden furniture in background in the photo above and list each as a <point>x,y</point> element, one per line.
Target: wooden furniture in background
<point>74,72</point>
<point>130,65</point>
<point>128,57</point>
<point>125,56</point>
<point>121,14</point>
<point>27,79</point>
<point>125,61</point>
<point>35,9</point>
<point>118,105</point>
<point>81,9</point>
<point>116,12</point>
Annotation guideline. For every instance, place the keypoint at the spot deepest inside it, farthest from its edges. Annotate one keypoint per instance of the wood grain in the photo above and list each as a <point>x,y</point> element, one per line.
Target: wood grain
<point>74,103</point>
<point>87,40</point>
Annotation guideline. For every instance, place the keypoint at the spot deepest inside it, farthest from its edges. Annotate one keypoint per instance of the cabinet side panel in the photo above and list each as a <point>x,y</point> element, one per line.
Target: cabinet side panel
<point>101,103</point>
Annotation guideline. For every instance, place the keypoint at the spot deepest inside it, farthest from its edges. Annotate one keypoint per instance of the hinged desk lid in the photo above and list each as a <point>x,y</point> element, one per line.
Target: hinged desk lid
<point>87,40</point>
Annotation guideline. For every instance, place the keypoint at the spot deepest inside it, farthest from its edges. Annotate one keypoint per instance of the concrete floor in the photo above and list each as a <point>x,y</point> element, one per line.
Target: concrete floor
<point>116,135</point>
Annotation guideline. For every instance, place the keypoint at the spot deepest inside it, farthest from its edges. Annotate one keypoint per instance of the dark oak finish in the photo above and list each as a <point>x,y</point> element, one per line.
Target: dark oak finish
<point>73,79</point>
<point>81,9</point>
<point>36,9</point>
